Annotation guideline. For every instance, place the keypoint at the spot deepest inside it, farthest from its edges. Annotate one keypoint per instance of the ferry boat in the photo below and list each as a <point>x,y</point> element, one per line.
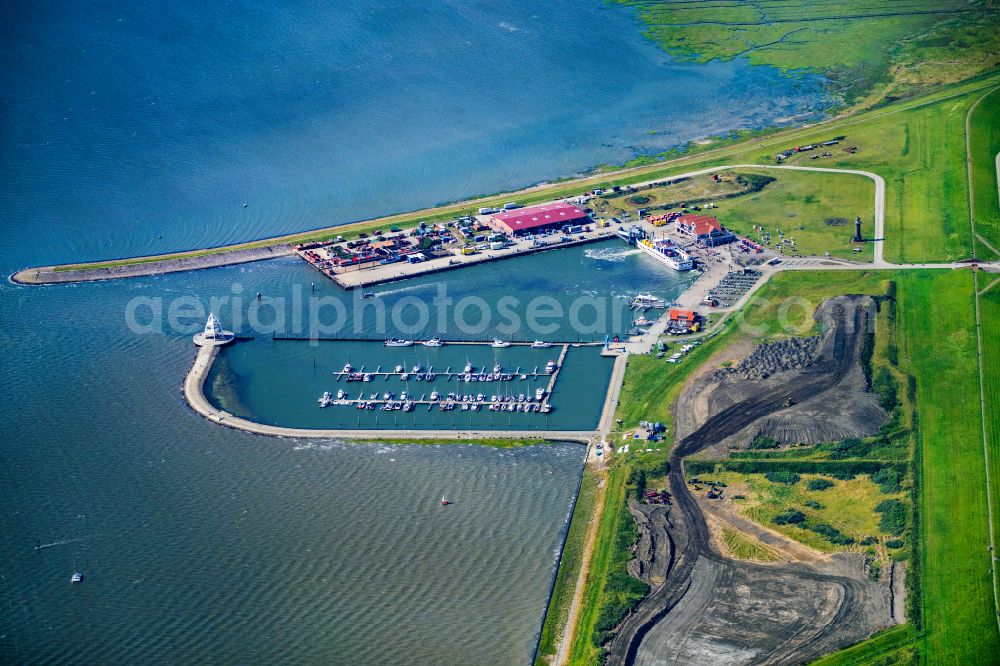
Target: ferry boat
<point>666,252</point>
<point>646,300</point>
<point>433,342</point>
<point>398,342</point>
<point>325,399</point>
<point>499,344</point>
<point>540,344</point>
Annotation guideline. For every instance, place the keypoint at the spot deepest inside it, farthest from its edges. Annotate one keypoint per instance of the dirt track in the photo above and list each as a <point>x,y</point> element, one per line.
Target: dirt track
<point>727,611</point>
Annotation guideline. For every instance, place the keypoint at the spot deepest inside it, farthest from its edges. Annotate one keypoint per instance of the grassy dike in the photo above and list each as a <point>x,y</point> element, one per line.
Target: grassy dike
<point>984,144</point>
<point>916,145</point>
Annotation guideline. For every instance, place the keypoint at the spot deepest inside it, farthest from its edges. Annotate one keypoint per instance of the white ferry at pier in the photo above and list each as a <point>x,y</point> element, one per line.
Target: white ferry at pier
<point>666,252</point>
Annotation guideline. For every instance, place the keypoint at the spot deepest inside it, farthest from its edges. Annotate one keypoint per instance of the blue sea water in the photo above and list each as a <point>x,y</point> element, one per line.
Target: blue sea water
<point>134,127</point>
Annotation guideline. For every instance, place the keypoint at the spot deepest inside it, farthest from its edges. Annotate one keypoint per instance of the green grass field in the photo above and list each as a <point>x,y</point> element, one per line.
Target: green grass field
<point>989,315</point>
<point>848,506</point>
<point>569,569</point>
<point>817,210</point>
<point>958,610</point>
<point>606,551</point>
<point>984,140</point>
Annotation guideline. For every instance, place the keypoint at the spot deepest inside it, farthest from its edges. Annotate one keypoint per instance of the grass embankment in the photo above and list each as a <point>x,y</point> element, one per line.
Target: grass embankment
<point>866,51</point>
<point>989,317</point>
<point>984,144</point>
<point>606,550</point>
<point>938,347</point>
<point>909,143</point>
<point>569,568</point>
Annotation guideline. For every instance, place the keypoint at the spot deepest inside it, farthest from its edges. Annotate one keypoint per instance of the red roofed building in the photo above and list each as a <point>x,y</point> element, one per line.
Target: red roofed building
<point>703,228</point>
<point>683,319</point>
<point>537,218</point>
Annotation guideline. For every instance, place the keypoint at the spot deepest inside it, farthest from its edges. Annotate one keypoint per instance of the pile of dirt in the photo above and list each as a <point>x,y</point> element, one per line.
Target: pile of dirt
<point>846,409</point>
<point>767,359</point>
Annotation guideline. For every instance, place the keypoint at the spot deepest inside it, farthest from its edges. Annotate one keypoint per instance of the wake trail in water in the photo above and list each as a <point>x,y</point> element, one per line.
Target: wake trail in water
<point>610,254</point>
<point>43,546</point>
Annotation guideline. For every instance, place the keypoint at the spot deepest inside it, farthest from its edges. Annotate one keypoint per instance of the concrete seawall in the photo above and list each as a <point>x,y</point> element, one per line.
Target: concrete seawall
<point>60,275</point>
<point>194,384</point>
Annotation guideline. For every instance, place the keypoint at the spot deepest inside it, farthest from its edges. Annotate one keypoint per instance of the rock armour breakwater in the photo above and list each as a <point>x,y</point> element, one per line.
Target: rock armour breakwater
<point>148,266</point>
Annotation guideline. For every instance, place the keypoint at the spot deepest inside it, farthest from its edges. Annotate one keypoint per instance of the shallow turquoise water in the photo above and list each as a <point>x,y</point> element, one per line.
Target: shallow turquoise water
<point>132,128</point>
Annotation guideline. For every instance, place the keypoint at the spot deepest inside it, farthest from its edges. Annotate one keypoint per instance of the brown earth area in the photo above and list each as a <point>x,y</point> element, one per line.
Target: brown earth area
<point>705,608</point>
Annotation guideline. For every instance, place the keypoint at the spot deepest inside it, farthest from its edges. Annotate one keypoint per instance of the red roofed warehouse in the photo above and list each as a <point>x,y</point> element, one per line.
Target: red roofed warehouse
<point>537,218</point>
<point>704,229</point>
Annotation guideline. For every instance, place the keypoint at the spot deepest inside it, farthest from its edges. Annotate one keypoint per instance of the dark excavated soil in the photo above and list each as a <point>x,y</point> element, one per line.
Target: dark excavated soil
<point>713,610</point>
<point>843,410</point>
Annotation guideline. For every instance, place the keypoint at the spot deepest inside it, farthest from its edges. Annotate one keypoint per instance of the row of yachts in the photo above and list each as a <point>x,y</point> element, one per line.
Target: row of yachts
<point>438,342</point>
<point>468,374</point>
<point>467,402</point>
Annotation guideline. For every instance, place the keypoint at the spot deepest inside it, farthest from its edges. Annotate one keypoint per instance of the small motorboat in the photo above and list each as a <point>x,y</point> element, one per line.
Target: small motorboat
<point>367,377</point>
<point>540,344</point>
<point>399,369</point>
<point>497,368</point>
<point>539,393</point>
<point>325,399</point>
<point>434,396</point>
<point>550,367</point>
<point>398,342</point>
<point>468,368</point>
<point>499,344</point>
<point>348,368</point>
<point>433,342</point>
<point>77,576</point>
<point>417,368</point>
